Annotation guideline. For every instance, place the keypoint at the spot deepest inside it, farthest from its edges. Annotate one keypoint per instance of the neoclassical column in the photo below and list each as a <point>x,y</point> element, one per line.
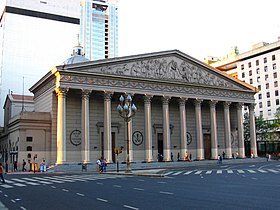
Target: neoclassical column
<point>199,134</point>
<point>227,129</point>
<point>61,125</point>
<point>107,126</point>
<point>85,126</point>
<point>166,128</point>
<point>213,120</point>
<point>253,130</point>
<point>183,128</point>
<point>148,129</point>
<point>241,147</point>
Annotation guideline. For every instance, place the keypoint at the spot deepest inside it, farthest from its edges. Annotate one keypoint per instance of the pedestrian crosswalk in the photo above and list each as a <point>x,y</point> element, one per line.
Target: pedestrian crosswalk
<point>221,171</point>
<point>50,180</point>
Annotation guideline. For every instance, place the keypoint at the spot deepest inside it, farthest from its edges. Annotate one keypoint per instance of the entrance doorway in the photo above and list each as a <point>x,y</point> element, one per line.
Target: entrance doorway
<point>113,135</point>
<point>160,146</point>
<point>207,146</point>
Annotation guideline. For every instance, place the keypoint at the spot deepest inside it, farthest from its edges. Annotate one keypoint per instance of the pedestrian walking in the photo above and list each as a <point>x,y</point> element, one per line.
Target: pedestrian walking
<point>23,165</point>
<point>99,166</point>
<point>224,154</point>
<point>15,165</point>
<point>172,157</point>
<point>1,173</point>
<point>104,165</point>
<point>178,156</point>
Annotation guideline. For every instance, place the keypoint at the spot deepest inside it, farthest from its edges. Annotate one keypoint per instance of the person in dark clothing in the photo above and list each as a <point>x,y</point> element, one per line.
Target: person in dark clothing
<point>23,165</point>
<point>1,173</point>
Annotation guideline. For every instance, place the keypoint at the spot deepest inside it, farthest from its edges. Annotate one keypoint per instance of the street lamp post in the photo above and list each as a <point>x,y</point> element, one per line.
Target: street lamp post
<point>127,110</point>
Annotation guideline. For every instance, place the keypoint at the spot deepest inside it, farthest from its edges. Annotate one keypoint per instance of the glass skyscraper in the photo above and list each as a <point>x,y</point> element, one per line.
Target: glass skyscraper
<point>99,28</point>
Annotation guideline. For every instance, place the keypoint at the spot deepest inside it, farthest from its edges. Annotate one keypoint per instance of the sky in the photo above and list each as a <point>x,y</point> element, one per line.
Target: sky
<point>199,28</point>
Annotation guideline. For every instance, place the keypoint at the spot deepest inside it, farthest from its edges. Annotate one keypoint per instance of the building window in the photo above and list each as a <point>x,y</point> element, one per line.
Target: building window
<point>269,112</point>
<point>274,66</point>
<point>249,65</point>
<point>260,105</point>
<point>276,93</point>
<point>258,79</point>
<point>267,85</point>
<point>257,62</point>
<point>29,155</point>
<point>265,68</point>
<point>273,57</point>
<point>259,87</point>
<point>266,77</point>
<point>268,94</point>
<point>276,84</point>
<point>258,70</point>
<point>277,101</point>
<point>261,113</point>
<point>251,81</point>
<point>29,139</point>
<point>268,103</point>
<point>29,148</point>
<point>243,74</point>
<point>242,67</point>
<point>265,60</point>
<point>260,96</point>
<point>250,73</point>
<point>275,75</point>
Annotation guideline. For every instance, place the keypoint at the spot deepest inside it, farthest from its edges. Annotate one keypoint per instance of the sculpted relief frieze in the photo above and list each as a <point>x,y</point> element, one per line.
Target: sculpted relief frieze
<point>170,68</point>
<point>175,90</point>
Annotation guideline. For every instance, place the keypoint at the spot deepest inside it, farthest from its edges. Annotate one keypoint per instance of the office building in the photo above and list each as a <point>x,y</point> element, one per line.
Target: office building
<point>99,28</point>
<point>259,67</point>
<point>35,35</point>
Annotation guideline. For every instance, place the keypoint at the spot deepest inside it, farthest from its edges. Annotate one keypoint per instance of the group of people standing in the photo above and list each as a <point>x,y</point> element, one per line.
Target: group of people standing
<point>101,165</point>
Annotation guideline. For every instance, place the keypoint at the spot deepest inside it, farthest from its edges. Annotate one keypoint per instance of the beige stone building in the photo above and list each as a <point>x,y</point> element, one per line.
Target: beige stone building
<point>183,106</point>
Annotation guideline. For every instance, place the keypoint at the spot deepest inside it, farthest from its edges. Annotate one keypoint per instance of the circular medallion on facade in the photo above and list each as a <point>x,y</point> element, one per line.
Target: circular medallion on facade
<point>137,138</point>
<point>75,137</point>
<point>189,138</point>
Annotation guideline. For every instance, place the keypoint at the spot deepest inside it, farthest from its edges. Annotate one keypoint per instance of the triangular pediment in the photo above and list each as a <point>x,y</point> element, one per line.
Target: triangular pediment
<point>173,66</point>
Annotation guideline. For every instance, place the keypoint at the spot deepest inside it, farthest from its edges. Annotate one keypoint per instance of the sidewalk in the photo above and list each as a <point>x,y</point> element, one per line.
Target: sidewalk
<point>139,168</point>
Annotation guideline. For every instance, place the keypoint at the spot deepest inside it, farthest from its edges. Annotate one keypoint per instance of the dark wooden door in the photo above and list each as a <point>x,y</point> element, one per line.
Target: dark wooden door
<point>207,146</point>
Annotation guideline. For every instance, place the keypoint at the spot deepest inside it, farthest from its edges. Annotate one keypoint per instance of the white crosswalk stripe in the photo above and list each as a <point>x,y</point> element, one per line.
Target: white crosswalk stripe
<point>222,171</point>
<point>188,172</point>
<point>252,171</point>
<point>49,180</point>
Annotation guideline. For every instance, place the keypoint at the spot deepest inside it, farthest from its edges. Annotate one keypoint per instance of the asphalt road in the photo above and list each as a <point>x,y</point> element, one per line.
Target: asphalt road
<point>240,186</point>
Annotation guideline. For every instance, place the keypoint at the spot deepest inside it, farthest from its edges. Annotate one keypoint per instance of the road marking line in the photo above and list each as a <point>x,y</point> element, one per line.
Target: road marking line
<point>9,182</point>
<point>254,178</point>
<point>262,171</point>
<point>251,166</point>
<point>23,208</point>
<point>99,183</point>
<point>208,172</point>
<point>219,171</point>
<point>188,172</point>
<point>65,190</point>
<point>53,187</point>
<point>141,180</point>
<point>251,171</point>
<point>229,171</point>
<point>19,185</point>
<point>116,186</point>
<point>140,189</point>
<point>177,173</point>
<point>6,186</point>
<point>162,182</point>
<point>198,172</point>
<point>166,193</point>
<point>240,171</point>
<point>103,200</point>
<point>272,170</point>
<point>13,201</point>
<point>19,180</point>
<point>32,183</point>
<point>130,207</point>
<point>80,194</point>
<point>168,173</point>
<point>6,195</point>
